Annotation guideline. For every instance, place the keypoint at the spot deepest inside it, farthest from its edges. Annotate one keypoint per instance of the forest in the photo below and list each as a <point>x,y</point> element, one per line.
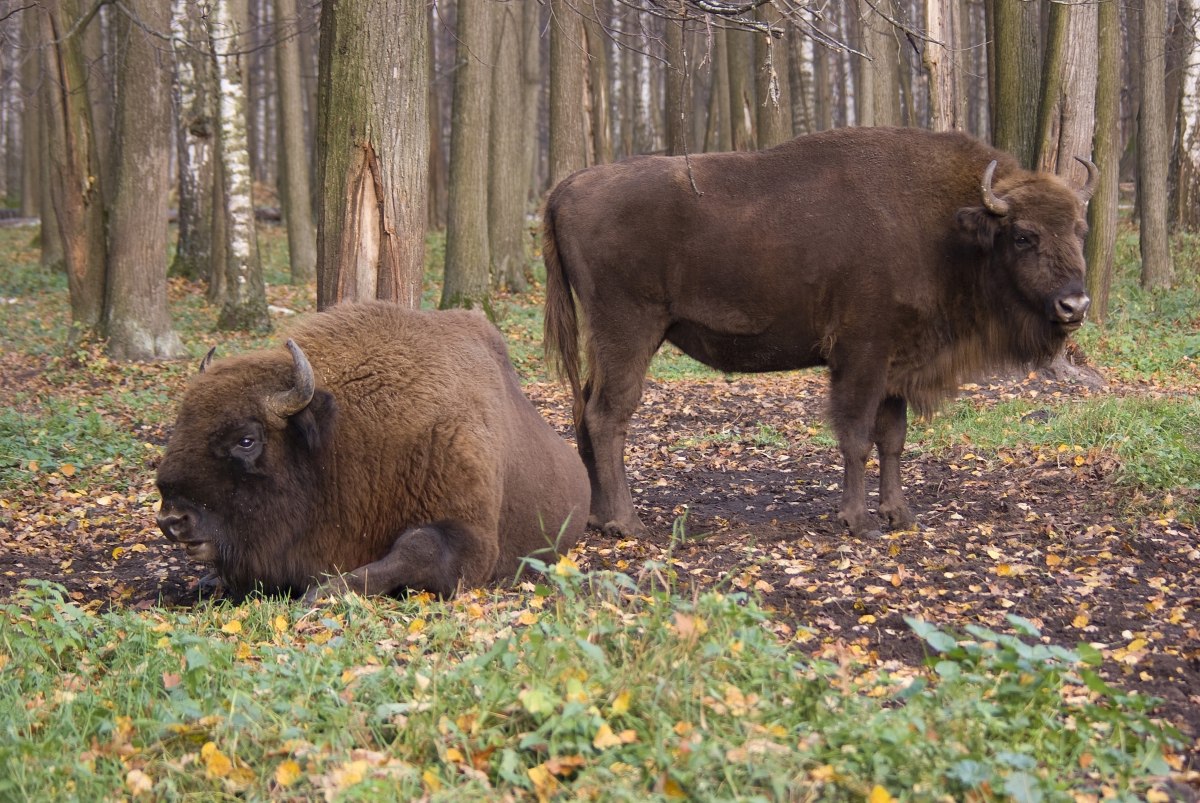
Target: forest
<point>197,174</point>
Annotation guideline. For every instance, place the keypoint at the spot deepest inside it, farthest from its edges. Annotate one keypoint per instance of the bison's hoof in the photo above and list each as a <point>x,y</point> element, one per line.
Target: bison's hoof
<point>616,528</point>
<point>899,518</point>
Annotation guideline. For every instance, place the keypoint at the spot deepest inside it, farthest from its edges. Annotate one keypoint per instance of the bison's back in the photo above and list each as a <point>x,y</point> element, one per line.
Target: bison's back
<point>430,399</point>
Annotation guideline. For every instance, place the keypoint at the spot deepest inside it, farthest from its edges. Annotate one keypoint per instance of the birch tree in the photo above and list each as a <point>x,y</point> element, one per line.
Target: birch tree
<point>138,325</point>
<point>244,306</point>
<point>1188,176</point>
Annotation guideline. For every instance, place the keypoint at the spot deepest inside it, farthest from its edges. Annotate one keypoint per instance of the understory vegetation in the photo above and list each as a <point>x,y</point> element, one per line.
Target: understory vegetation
<point>585,684</point>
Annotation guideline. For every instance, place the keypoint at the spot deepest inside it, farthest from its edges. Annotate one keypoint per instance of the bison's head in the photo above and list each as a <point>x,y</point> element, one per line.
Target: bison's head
<point>1033,226</point>
<point>243,466</point>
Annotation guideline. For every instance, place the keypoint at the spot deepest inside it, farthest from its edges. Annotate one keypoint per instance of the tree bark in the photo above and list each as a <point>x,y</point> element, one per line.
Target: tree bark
<point>467,252</point>
<point>372,151</point>
<point>295,189</point>
<point>1102,211</point>
<point>568,143</point>
<point>244,306</point>
<point>678,89</point>
<point>74,167</point>
<point>196,135</point>
<point>599,82</point>
<point>1153,148</point>
<point>773,110</point>
<point>1187,177</point>
<point>508,172</point>
<point>1017,62</point>
<point>138,324</point>
<point>739,53</point>
<point>942,58</point>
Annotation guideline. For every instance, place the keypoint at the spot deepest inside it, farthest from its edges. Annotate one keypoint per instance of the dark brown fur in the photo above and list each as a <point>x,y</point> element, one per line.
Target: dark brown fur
<point>869,250</point>
<point>418,463</point>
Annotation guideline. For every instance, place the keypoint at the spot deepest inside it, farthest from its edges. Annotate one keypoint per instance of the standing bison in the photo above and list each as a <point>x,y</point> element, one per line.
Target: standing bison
<point>907,261</point>
<point>391,447</point>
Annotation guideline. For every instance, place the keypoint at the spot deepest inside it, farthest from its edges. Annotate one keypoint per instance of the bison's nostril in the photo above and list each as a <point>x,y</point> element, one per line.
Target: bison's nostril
<point>1072,308</point>
<point>174,526</point>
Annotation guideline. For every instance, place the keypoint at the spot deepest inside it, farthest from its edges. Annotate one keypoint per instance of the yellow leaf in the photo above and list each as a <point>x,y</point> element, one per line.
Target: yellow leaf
<point>216,763</point>
<point>416,625</point>
<point>1080,460</point>
<point>1053,560</point>
<point>287,773</point>
<point>621,704</point>
<point>866,619</point>
<point>1136,644</point>
<point>605,738</point>
<point>33,466</point>
<point>138,783</point>
<point>879,795</point>
<point>280,624</point>
<point>1080,621</point>
<point>118,552</point>
<point>431,780</point>
<point>1004,570</point>
<point>527,618</point>
<point>453,754</point>
<point>67,470</point>
<point>566,567</point>
<point>232,627</point>
<point>243,651</point>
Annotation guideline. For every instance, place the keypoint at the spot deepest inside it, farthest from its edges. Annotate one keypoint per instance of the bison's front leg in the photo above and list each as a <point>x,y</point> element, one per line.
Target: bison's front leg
<point>438,558</point>
<point>891,426</point>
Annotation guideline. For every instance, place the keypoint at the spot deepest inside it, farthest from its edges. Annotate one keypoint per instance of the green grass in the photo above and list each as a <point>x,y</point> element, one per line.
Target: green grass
<point>584,689</point>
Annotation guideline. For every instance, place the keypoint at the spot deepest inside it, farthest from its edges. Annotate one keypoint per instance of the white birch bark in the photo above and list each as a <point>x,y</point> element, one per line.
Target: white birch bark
<point>245,305</point>
<point>1189,127</point>
<point>195,139</point>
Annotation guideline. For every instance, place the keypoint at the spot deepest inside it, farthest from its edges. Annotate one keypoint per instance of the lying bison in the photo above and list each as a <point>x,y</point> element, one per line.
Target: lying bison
<point>907,261</point>
<point>391,447</point>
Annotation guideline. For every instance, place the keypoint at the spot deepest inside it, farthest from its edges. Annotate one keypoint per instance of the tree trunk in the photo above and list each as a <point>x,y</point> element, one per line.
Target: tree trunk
<point>1017,62</point>
<point>438,181</point>
<point>678,90</point>
<point>739,53</point>
<point>943,57</point>
<point>508,174</point>
<point>531,87</point>
<point>1187,141</point>
<point>881,75</point>
<point>773,110</point>
<point>568,144</point>
<point>1067,120</point>
<point>138,323</point>
<point>244,306</point>
<point>599,82</point>
<point>196,135</point>
<point>1102,211</point>
<point>74,166</point>
<point>800,50</point>
<point>467,253</point>
<point>1153,148</point>
<point>295,190</point>
<point>372,151</point>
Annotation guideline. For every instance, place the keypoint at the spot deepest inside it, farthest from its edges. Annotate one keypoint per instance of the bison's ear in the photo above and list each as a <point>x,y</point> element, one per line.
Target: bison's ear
<point>315,421</point>
<point>979,225</point>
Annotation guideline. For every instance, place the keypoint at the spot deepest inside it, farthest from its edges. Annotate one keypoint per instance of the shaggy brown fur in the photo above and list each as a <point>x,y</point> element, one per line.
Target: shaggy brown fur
<point>882,253</point>
<point>417,463</point>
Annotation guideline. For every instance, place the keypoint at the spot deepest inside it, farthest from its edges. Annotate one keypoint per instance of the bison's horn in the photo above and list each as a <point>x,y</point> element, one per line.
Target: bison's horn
<point>1089,186</point>
<point>296,398</point>
<point>208,358</point>
<point>996,205</point>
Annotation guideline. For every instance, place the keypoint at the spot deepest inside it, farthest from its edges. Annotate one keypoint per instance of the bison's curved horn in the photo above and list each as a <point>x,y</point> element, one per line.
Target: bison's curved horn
<point>1089,186</point>
<point>208,358</point>
<point>994,204</point>
<point>296,398</point>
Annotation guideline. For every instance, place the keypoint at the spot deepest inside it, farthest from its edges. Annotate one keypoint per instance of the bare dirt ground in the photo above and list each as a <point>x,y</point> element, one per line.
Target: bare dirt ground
<point>1042,534</point>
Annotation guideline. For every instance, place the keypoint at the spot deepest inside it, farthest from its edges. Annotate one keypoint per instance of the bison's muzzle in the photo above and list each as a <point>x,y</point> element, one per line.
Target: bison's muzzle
<point>1070,308</point>
<point>179,526</point>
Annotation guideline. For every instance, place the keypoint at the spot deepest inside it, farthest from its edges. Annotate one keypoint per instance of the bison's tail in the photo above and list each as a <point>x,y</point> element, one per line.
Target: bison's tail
<point>560,337</point>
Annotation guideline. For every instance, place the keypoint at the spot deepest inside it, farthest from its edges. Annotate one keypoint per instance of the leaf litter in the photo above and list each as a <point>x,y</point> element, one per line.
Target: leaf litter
<point>739,483</point>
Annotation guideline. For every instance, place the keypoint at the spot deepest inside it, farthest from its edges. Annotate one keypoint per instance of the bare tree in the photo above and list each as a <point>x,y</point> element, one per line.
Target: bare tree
<point>467,253</point>
<point>296,192</point>
<point>1187,138</point>
<point>372,151</point>
<point>1153,147</point>
<point>1017,58</point>
<point>943,60</point>
<point>508,170</point>
<point>138,325</point>
<point>568,140</point>
<point>74,165</point>
<point>1102,211</point>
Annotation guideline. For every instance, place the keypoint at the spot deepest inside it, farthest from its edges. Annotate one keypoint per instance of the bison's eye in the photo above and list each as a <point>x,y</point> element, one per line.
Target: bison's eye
<point>246,443</point>
<point>1024,240</point>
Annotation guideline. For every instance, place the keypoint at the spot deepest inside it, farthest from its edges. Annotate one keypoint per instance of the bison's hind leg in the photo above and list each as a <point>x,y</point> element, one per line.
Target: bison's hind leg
<point>891,427</point>
<point>438,558</point>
